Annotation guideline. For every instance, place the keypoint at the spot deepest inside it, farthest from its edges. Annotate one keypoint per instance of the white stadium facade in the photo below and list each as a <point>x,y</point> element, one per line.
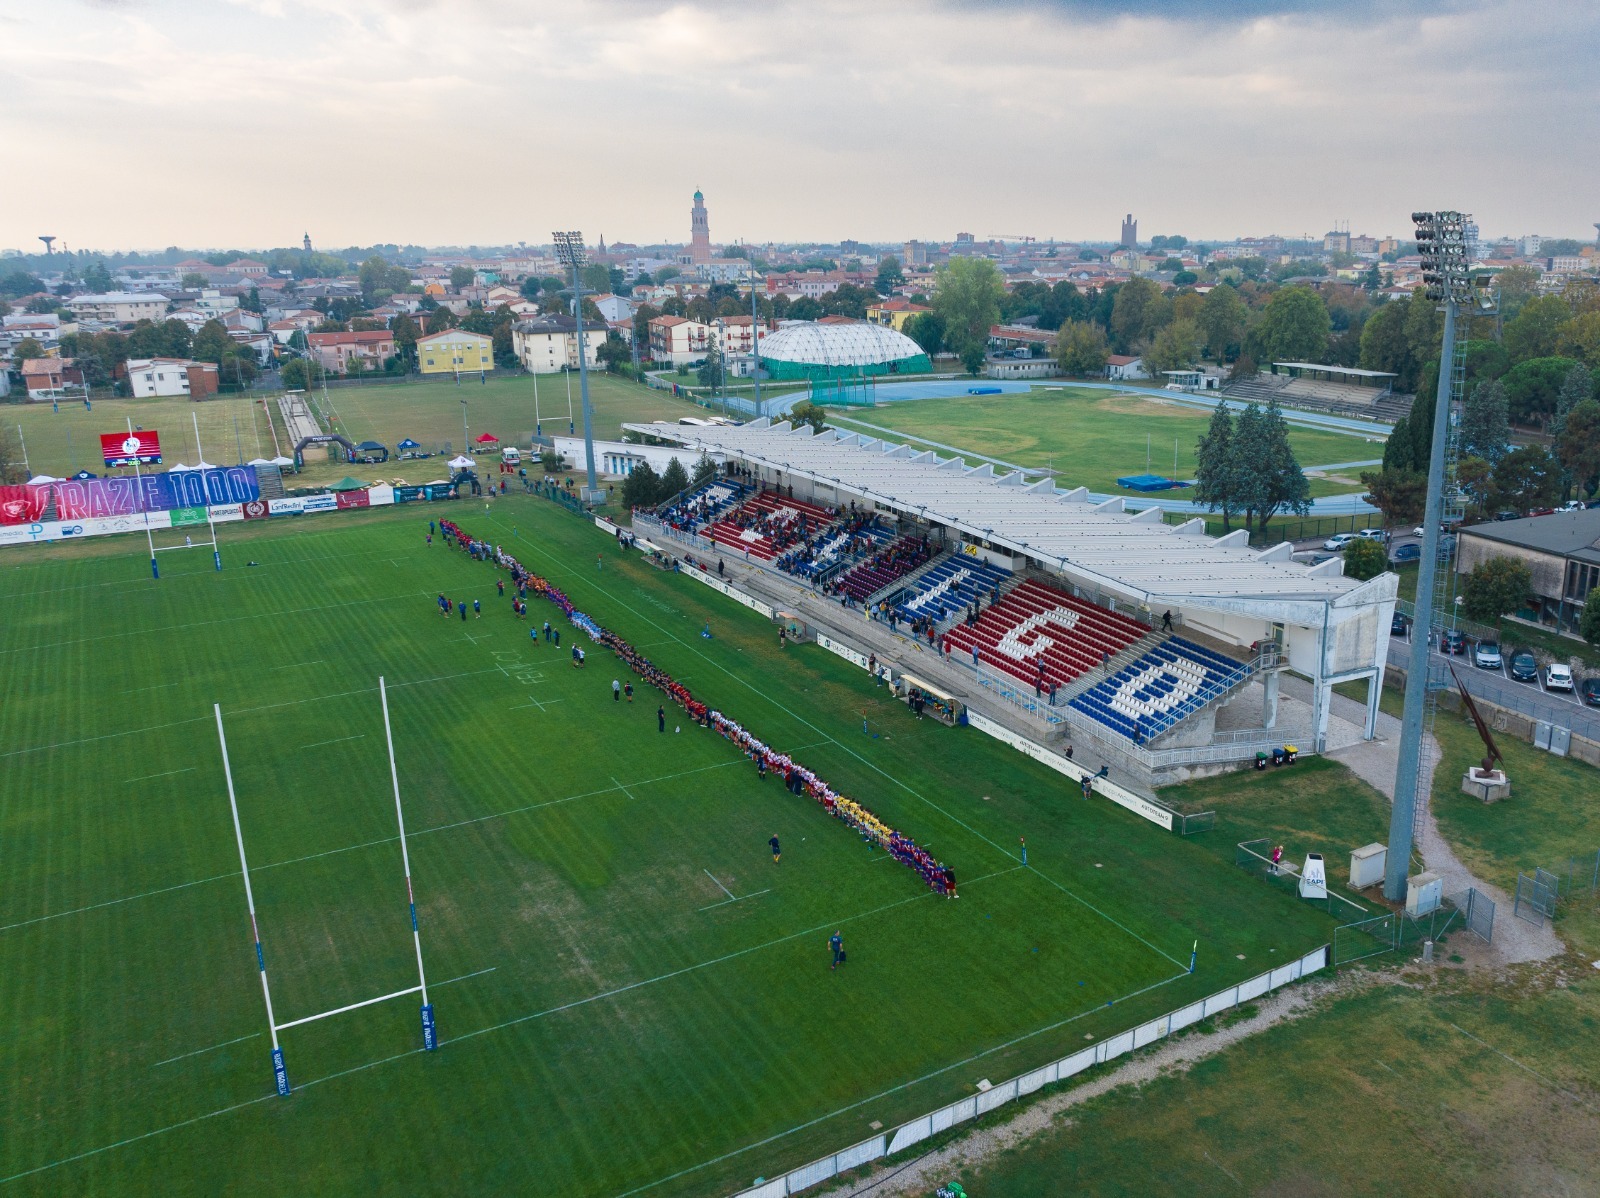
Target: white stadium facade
<point>1061,579</point>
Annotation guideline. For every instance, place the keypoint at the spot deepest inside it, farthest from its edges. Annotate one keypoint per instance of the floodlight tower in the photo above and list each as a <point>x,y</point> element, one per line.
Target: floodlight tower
<point>1442,242</point>
<point>570,249</point>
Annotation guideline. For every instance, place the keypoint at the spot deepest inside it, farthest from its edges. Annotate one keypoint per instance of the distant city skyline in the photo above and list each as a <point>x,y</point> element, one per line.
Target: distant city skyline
<point>239,125</point>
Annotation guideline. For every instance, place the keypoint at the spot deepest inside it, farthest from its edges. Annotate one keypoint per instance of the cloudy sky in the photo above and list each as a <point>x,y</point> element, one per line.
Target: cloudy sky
<point>223,123</point>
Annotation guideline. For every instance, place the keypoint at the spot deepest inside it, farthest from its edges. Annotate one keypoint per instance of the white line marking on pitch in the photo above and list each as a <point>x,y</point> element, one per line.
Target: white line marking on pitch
<point>541,704</point>
<point>707,872</point>
<point>161,686</point>
<point>297,665</point>
<point>337,741</point>
<point>185,1055</point>
<point>465,976</point>
<point>629,793</point>
<point>740,899</point>
<point>168,774</point>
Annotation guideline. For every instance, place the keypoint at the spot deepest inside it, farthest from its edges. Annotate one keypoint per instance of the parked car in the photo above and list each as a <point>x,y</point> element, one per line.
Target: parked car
<point>1486,656</point>
<point>1589,688</point>
<point>1452,642</point>
<point>1399,625</point>
<point>1373,534</point>
<point>1407,553</point>
<point>1541,511</point>
<point>1507,516</point>
<point>1571,505</point>
<point>1338,541</point>
<point>1558,678</point>
<point>1523,667</point>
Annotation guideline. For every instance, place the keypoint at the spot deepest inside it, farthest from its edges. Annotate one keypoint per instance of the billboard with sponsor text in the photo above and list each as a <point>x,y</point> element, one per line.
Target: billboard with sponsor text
<point>100,497</point>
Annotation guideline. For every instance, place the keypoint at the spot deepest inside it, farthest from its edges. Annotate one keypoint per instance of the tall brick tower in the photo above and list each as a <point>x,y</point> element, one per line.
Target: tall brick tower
<point>699,231</point>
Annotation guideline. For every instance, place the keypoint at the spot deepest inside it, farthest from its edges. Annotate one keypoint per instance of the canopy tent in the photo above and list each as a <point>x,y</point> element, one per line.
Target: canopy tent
<point>177,466</point>
<point>83,475</point>
<point>488,439</point>
<point>40,479</point>
<point>260,462</point>
<point>462,463</point>
<point>202,464</point>
<point>408,443</point>
<point>348,484</point>
<point>282,461</point>
<point>370,445</point>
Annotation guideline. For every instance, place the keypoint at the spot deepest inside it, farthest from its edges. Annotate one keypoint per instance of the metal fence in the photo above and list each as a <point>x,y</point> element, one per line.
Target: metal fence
<point>1477,910</point>
<point>1285,875</point>
<point>1520,697</point>
<point>1576,875</point>
<point>888,1143</point>
<point>1397,931</point>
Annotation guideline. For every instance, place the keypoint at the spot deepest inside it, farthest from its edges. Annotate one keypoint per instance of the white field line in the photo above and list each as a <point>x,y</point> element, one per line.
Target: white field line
<point>336,741</point>
<point>740,899</point>
<point>168,774</point>
<point>720,886</point>
<point>212,1048</point>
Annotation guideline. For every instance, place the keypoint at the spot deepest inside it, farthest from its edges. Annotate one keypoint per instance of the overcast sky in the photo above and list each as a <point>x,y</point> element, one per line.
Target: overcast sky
<point>243,123</point>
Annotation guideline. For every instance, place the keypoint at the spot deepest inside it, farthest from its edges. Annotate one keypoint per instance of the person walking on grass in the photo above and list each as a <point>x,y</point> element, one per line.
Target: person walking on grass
<point>477,611</point>
<point>627,689</point>
<point>777,849</point>
<point>661,719</point>
<point>462,604</point>
<point>500,587</point>
<point>616,691</point>
<point>836,947</point>
<point>547,630</point>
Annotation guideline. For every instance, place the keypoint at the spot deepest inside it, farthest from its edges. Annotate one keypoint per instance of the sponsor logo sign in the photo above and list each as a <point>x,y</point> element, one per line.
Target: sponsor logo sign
<point>187,515</point>
<point>23,504</point>
<point>407,494</point>
<point>317,503</point>
<point>124,449</point>
<point>256,509</point>
<point>286,507</point>
<point>227,513</point>
<point>349,499</point>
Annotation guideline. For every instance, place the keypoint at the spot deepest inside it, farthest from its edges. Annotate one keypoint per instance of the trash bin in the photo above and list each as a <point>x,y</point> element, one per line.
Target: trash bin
<point>1290,752</point>
<point>1278,756</point>
<point>1261,760</point>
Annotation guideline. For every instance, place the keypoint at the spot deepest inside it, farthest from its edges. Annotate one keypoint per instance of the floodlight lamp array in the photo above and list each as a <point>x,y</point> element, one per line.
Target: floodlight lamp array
<point>1442,244</point>
<point>570,248</point>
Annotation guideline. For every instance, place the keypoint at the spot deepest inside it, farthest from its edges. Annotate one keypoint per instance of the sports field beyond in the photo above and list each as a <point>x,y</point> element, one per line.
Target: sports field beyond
<point>1092,438</point>
<point>632,998</point>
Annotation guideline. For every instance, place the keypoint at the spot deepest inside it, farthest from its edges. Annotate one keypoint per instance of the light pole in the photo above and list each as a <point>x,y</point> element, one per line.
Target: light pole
<point>570,249</point>
<point>465,444</point>
<point>755,341</point>
<point>1442,242</point>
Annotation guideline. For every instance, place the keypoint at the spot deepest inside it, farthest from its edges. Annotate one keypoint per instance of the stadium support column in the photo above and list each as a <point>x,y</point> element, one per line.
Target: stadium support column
<point>755,345</point>
<point>1441,241</point>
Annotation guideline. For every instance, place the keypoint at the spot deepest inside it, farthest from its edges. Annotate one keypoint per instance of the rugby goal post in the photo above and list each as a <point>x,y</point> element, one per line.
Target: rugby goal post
<point>430,1039</point>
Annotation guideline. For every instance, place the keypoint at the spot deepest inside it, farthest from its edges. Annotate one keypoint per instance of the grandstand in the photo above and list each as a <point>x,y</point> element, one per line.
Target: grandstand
<point>1343,390</point>
<point>1043,635</point>
<point>1152,693</point>
<point>1097,622</point>
<point>703,505</point>
<point>767,524</point>
<point>951,585</point>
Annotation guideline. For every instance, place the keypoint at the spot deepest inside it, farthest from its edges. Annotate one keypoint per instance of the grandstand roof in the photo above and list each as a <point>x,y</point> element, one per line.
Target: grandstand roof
<point>854,344</point>
<point>1348,371</point>
<point>1098,542</point>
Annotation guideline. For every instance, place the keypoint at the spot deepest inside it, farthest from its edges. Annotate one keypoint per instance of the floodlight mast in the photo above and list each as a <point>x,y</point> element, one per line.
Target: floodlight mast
<point>571,251</point>
<point>1442,242</point>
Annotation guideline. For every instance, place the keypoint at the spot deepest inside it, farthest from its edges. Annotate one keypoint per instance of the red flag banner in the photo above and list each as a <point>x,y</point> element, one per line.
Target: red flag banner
<point>347,499</point>
<point>23,504</point>
<point>124,449</point>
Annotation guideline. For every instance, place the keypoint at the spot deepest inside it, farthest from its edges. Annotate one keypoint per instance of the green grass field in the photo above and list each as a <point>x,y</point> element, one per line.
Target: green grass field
<point>611,1020</point>
<point>1092,437</point>
<point>235,427</point>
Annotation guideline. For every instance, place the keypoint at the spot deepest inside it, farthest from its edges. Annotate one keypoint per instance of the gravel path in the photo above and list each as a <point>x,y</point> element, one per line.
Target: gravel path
<point>924,1174</point>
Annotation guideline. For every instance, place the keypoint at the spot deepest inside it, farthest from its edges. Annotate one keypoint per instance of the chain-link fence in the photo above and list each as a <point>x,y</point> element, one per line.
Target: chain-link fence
<point>1536,897</point>
<point>1255,857</point>
<point>1397,931</point>
<point>1477,909</point>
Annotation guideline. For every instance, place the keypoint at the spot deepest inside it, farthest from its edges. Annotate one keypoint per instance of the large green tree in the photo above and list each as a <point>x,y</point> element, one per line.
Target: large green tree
<point>1081,348</point>
<point>1485,428</point>
<point>1535,330</point>
<point>1294,326</point>
<point>642,487</point>
<point>1270,479</point>
<point>927,330</point>
<point>1364,559</point>
<point>1216,483</point>
<point>461,276</point>
<point>806,412</point>
<point>1579,338</point>
<point>966,296</point>
<point>1526,478</point>
<point>1533,388</point>
<point>1222,320</point>
<point>1174,347</point>
<point>1136,314</point>
<point>379,279</point>
<point>673,479</point>
<point>1578,446</point>
<point>1398,494</point>
<point>889,275</point>
<point>1494,587</point>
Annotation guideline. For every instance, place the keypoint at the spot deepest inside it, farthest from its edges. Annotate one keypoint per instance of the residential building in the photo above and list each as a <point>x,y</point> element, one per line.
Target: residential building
<point>46,329</point>
<point>45,378</point>
<point>172,376</point>
<point>1561,553</point>
<point>1336,241</point>
<point>614,307</point>
<point>455,351</point>
<point>723,270</point>
<point>548,344</point>
<point>364,351</point>
<point>1013,337</point>
<point>894,313</point>
<point>260,343</point>
<point>679,340</point>
<point>915,254</point>
<point>120,307</point>
<point>1122,367</point>
<point>734,334</point>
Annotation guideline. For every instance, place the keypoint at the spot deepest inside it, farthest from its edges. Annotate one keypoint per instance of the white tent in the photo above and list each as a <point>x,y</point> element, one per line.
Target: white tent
<point>177,466</point>
<point>202,464</point>
<point>280,461</point>
<point>462,463</point>
<point>260,462</point>
<point>39,479</point>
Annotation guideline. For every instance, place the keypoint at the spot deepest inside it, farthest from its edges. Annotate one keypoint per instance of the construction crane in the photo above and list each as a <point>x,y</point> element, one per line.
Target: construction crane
<point>1011,237</point>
